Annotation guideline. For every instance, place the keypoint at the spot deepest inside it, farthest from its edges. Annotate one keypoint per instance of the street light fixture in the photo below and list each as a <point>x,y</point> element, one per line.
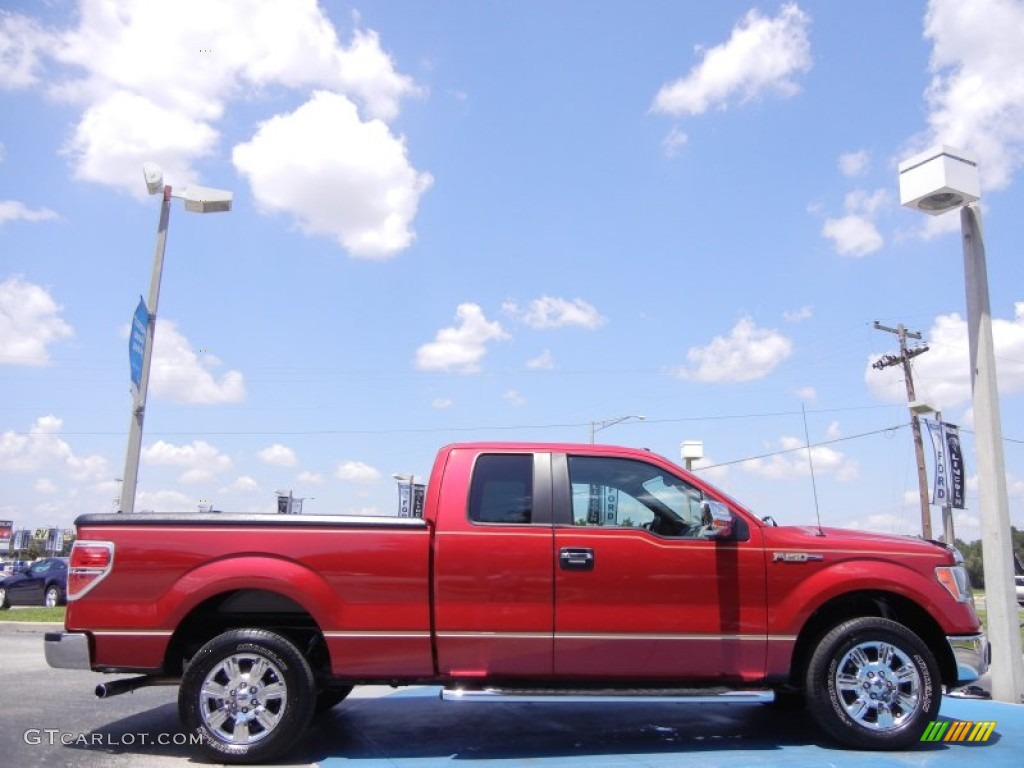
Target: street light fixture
<point>597,426</point>
<point>198,200</point>
<point>935,182</point>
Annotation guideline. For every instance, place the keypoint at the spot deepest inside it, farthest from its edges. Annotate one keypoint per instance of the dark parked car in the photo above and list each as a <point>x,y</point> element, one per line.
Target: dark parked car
<point>44,582</point>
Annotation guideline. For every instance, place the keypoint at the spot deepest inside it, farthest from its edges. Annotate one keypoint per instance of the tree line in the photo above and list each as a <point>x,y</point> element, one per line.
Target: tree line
<point>973,560</point>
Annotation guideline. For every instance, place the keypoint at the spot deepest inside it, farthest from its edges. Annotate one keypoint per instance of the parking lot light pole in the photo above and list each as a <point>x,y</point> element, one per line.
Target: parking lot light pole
<point>935,182</point>
<point>197,200</point>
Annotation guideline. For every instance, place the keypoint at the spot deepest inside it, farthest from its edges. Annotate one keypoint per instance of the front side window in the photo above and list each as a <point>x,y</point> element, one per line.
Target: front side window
<point>502,489</point>
<point>633,494</point>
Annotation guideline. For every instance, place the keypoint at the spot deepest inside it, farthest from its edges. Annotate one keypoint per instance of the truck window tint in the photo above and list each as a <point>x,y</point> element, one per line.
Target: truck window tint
<point>502,489</point>
<point>625,493</point>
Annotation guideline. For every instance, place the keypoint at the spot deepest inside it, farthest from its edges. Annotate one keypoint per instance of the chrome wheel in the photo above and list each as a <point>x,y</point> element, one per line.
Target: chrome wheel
<point>243,699</point>
<point>879,685</point>
<point>3,598</point>
<point>873,684</point>
<point>52,597</point>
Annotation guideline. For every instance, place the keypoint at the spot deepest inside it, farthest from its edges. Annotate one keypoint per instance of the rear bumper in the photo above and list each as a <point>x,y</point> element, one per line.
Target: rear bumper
<point>67,650</point>
<point>972,654</point>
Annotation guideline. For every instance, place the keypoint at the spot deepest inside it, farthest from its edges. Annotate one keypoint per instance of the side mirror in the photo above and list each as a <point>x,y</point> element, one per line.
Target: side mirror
<point>717,520</point>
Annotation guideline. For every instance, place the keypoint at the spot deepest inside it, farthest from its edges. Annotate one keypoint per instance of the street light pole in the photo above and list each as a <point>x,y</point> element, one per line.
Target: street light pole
<point>197,200</point>
<point>996,546</point>
<point>131,461</point>
<point>937,181</point>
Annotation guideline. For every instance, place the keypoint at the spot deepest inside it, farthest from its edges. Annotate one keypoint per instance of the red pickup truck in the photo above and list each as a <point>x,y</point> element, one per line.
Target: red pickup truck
<point>536,569</point>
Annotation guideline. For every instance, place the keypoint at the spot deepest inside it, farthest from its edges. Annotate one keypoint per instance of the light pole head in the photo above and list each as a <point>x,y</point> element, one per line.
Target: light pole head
<point>154,178</point>
<point>206,199</point>
<point>939,180</point>
<point>692,450</point>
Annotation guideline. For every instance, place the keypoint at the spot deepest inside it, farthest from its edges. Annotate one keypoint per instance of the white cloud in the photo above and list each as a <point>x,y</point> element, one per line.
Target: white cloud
<point>243,484</point>
<point>440,403</point>
<point>311,478</point>
<point>29,322</point>
<point>156,78</point>
<point>855,234</point>
<point>179,374</point>
<point>674,142</point>
<point>279,455</point>
<point>554,312</point>
<point>807,394</point>
<point>798,315</point>
<point>762,55</point>
<point>460,348</point>
<point>854,163</point>
<point>514,397</point>
<point>45,485</point>
<point>13,210</point>
<point>543,362</point>
<point>21,39</point>
<point>337,175</point>
<point>747,353</point>
<point>164,501</point>
<point>357,472</point>
<point>976,94</point>
<point>42,448</point>
<point>942,374</point>
<point>121,131</point>
<point>200,461</point>
<point>794,462</point>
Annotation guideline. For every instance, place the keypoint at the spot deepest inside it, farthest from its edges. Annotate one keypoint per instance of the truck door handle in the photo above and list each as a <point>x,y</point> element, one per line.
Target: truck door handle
<point>576,559</point>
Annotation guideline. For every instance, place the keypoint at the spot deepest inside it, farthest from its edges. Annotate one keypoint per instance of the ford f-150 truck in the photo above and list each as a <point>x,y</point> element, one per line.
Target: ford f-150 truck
<point>536,568</point>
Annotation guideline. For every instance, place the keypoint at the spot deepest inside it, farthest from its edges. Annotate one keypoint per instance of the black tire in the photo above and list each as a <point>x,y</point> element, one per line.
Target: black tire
<point>264,696</point>
<point>873,684</point>
<point>4,602</point>
<point>328,698</point>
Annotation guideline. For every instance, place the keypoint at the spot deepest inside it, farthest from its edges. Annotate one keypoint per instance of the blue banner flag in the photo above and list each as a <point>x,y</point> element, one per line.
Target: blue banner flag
<point>137,342</point>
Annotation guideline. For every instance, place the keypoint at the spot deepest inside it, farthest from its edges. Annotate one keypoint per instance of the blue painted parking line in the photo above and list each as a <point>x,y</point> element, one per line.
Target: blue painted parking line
<point>414,729</point>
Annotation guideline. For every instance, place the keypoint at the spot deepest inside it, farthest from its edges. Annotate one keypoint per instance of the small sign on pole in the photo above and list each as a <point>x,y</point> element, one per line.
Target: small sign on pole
<point>137,343</point>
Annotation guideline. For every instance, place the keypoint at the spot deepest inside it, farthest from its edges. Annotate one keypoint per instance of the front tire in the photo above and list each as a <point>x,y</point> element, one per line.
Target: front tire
<point>873,684</point>
<point>248,694</point>
<point>4,604</point>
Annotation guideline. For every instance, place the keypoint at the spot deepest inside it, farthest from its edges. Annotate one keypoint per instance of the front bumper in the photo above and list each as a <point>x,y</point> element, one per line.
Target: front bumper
<point>67,650</point>
<point>972,654</point>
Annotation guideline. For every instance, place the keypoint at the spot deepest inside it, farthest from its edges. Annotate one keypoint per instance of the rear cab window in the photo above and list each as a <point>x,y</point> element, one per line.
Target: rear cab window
<point>502,489</point>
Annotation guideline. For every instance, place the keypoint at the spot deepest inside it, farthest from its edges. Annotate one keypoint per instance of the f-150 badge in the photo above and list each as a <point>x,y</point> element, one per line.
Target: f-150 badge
<point>795,557</point>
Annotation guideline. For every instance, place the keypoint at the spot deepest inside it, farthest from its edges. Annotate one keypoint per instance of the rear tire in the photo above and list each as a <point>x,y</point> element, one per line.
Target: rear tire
<point>248,694</point>
<point>52,598</point>
<point>4,605</point>
<point>873,684</point>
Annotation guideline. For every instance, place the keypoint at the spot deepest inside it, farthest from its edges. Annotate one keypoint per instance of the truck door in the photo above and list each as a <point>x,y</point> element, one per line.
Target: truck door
<point>639,592</point>
<point>493,565</point>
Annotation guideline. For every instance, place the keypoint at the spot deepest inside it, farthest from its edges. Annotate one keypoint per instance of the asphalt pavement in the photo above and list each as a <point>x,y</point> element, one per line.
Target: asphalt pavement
<point>51,718</point>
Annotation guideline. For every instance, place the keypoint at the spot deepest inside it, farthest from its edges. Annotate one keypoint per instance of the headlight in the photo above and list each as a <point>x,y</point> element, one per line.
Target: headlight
<point>954,578</point>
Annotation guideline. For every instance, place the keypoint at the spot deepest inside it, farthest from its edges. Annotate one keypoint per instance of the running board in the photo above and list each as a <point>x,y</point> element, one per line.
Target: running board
<point>659,696</point>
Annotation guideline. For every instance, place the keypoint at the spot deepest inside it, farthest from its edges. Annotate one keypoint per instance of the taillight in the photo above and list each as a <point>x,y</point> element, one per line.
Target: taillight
<point>90,562</point>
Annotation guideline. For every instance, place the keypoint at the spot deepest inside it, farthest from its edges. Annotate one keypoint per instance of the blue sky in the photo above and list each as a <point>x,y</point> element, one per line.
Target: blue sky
<point>458,221</point>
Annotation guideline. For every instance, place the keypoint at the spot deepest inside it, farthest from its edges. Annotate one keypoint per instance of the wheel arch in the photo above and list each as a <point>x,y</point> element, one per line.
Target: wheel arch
<point>881,604</point>
<point>248,608</point>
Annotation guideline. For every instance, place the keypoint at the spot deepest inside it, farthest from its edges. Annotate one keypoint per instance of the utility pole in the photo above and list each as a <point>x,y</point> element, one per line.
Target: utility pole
<point>904,358</point>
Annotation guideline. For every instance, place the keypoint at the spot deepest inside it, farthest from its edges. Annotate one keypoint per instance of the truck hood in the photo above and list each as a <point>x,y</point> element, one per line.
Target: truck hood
<point>842,539</point>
